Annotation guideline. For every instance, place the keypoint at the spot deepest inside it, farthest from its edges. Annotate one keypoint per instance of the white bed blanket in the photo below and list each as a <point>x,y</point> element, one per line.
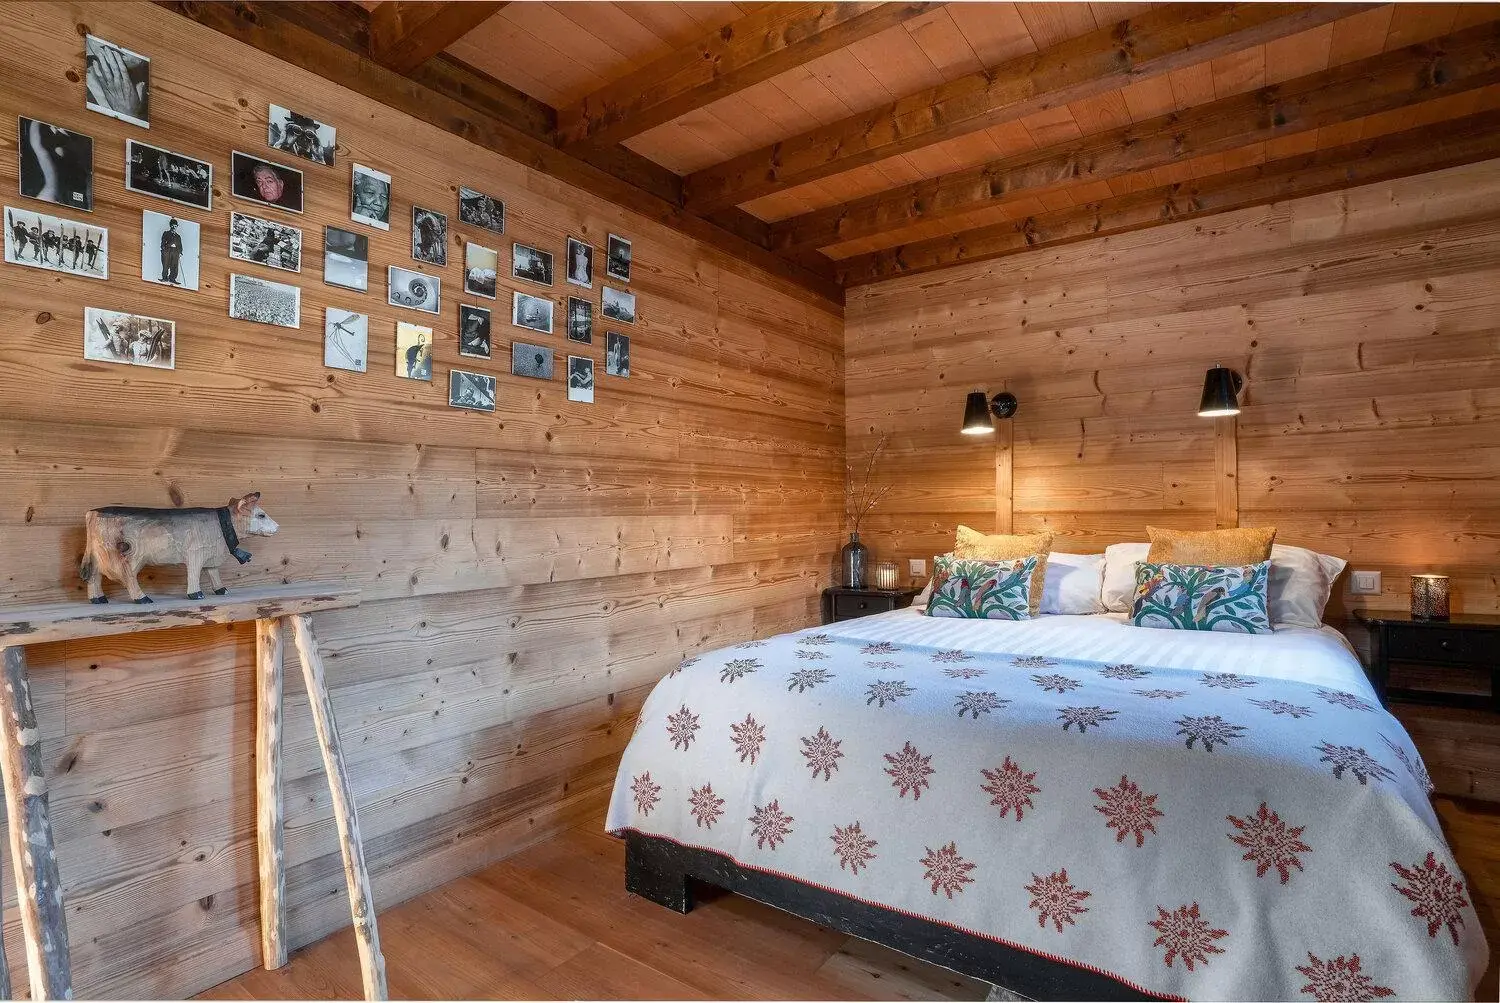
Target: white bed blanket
<point>1207,816</point>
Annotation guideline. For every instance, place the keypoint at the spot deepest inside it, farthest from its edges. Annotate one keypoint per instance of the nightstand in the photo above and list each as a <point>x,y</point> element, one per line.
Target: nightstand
<point>1452,663</point>
<point>851,604</point>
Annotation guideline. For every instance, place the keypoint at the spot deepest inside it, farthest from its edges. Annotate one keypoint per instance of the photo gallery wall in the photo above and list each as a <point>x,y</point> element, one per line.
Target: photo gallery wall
<point>267,224</point>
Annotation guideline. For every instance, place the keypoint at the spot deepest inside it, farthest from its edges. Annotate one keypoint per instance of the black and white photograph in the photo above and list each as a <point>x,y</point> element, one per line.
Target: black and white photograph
<point>478,209</point>
<point>473,391</point>
<point>618,305</point>
<point>370,197</point>
<point>534,361</point>
<point>117,82</point>
<point>429,236</point>
<point>580,379</point>
<point>413,290</point>
<point>413,351</point>
<point>481,270</point>
<point>262,301</point>
<point>473,331</point>
<point>163,174</point>
<point>300,136</point>
<point>617,259</point>
<point>257,180</point>
<point>580,263</point>
<point>265,242</point>
<point>346,339</point>
<point>616,354</point>
<point>169,250</point>
<point>57,165</point>
<point>346,259</point>
<point>531,312</point>
<point>580,320</point>
<point>531,264</point>
<point>130,339</point>
<point>56,244</point>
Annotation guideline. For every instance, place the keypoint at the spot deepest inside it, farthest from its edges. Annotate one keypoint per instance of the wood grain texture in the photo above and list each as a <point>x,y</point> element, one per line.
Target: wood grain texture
<point>269,810</point>
<point>404,35</point>
<point>525,577</point>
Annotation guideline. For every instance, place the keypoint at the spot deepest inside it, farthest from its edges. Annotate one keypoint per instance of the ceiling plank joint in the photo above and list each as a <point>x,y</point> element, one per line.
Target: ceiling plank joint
<point>404,34</point>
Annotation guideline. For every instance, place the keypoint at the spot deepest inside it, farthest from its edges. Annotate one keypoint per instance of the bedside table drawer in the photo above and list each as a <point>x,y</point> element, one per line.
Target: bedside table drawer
<point>851,607</point>
<point>1437,644</point>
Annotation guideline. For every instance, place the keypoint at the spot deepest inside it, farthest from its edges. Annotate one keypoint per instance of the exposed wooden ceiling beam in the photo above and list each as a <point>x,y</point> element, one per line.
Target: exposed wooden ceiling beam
<point>754,48</point>
<point>1166,38</point>
<point>404,34</point>
<point>1460,62</point>
<point>485,112</point>
<point>1415,151</point>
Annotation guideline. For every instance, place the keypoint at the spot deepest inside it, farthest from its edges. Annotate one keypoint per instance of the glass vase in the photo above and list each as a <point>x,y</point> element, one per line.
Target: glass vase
<point>855,555</point>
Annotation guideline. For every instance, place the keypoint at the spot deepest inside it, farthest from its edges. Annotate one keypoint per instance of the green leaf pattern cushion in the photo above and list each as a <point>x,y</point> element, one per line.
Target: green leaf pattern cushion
<point>982,590</point>
<point>1195,597</point>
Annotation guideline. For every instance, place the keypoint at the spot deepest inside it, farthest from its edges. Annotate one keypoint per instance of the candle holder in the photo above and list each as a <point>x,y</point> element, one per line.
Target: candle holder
<point>1429,597</point>
<point>885,575</point>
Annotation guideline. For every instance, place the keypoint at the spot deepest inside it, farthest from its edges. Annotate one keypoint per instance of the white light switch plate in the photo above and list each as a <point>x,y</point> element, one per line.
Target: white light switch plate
<point>1364,583</point>
<point>917,566</point>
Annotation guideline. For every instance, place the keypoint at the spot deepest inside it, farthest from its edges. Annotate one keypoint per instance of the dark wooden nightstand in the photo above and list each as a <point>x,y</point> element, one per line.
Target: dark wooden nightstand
<point>850,604</point>
<point>1452,663</point>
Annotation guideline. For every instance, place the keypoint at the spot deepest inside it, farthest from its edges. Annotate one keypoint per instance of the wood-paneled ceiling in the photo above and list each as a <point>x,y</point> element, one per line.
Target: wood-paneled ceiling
<point>842,143</point>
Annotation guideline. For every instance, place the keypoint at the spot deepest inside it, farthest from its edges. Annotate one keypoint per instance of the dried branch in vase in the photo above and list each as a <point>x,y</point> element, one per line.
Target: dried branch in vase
<point>861,493</point>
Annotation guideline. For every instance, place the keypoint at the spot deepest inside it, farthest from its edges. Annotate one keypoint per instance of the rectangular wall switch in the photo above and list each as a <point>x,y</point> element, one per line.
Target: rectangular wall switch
<point>917,566</point>
<point>1364,583</point>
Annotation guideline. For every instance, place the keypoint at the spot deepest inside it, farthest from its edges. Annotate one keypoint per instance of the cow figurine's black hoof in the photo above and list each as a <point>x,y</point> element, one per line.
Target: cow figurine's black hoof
<point>143,600</point>
<point>221,592</point>
<point>195,595</point>
<point>99,600</point>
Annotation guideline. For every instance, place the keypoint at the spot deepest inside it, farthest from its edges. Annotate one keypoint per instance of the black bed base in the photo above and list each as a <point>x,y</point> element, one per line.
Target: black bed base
<point>662,871</point>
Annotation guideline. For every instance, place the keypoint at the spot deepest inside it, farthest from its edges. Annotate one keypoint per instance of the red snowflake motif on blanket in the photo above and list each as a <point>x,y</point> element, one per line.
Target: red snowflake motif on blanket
<point>1339,979</point>
<point>748,737</point>
<point>815,639</point>
<point>1010,787</point>
<point>1341,699</point>
<point>1055,899</point>
<point>681,727</point>
<point>686,663</point>
<point>852,847</point>
<point>965,672</point>
<point>706,808</point>
<point>1033,662</point>
<point>888,691</point>
<point>805,679</point>
<point>1439,895</point>
<point>1354,759</point>
<point>770,825</point>
<point>737,668</point>
<point>880,648</point>
<point>645,792</point>
<point>1413,764</point>
<point>1126,671</point>
<point>811,654</point>
<point>1186,935</point>
<point>1226,681</point>
<point>1129,810</point>
<point>1282,707</point>
<point>822,753</point>
<point>946,869</point>
<point>951,655</point>
<point>1269,842</point>
<point>909,771</point>
<point>1160,694</point>
<point>1056,683</point>
<point>1210,729</point>
<point>976,703</point>
<point>1085,717</point>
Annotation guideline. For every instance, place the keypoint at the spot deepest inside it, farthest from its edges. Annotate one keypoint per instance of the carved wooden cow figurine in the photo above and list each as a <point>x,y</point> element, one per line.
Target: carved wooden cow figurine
<point>121,540</point>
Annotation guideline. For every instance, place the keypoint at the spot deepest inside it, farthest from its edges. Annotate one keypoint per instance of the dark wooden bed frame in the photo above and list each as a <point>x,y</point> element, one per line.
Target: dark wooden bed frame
<point>663,871</point>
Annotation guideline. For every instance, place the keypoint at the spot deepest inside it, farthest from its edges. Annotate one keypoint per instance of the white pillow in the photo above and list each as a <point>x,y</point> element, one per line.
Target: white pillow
<point>1301,582</point>
<point>1118,590</point>
<point>1073,583</point>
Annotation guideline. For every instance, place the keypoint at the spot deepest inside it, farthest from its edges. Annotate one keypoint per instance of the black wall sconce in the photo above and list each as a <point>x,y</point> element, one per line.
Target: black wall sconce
<point>1221,388</point>
<point>979,407</point>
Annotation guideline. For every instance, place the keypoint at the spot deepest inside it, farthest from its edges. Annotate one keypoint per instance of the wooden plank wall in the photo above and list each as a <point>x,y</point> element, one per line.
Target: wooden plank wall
<point>1367,324</point>
<point>527,575</point>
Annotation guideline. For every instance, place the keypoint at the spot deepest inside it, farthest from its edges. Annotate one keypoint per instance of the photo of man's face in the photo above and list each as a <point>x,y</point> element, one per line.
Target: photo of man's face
<point>268,183</point>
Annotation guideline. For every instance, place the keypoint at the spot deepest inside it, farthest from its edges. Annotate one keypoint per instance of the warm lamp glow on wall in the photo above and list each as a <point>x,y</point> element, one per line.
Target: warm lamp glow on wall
<point>979,407</point>
<point>1221,388</point>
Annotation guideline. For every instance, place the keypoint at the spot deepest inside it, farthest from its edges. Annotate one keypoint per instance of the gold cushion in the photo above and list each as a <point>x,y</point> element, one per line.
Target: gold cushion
<point>973,545</point>
<point>1216,548</point>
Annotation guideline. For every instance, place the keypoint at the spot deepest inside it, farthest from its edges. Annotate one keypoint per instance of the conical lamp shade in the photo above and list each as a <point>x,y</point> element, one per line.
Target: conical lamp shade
<point>1220,387</point>
<point>977,415</point>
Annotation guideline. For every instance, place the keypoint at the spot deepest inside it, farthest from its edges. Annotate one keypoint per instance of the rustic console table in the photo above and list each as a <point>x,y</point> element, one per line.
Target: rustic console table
<point>275,610</point>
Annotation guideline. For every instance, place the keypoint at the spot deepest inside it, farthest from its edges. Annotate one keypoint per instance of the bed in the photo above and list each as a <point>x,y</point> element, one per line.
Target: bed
<point>1067,807</point>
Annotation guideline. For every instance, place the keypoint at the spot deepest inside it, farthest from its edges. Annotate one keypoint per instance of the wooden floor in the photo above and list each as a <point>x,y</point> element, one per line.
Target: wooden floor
<point>554,922</point>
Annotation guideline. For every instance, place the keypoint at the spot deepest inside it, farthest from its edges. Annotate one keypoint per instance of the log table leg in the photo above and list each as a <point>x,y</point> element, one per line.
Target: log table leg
<point>345,816</point>
<point>38,891</point>
<point>268,808</point>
